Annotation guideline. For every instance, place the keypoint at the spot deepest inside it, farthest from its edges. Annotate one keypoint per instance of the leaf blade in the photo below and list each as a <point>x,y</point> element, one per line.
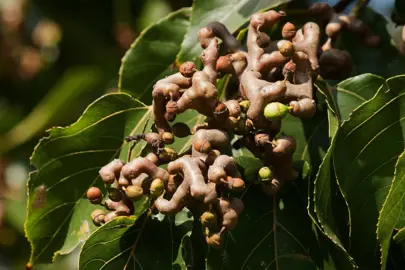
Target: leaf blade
<point>69,159</point>
<point>149,59</point>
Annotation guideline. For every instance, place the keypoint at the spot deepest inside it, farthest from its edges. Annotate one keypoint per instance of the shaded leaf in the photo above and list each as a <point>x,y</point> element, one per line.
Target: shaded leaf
<point>349,94</point>
<point>252,244</point>
<point>144,243</point>
<point>392,215</point>
<point>152,55</point>
<point>331,210</point>
<point>232,13</point>
<point>67,164</point>
<point>367,147</point>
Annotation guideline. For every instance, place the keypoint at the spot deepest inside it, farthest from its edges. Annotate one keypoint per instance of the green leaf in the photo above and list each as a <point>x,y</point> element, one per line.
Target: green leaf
<point>67,164</point>
<point>330,208</point>
<point>152,55</point>
<point>256,239</point>
<point>350,94</point>
<point>392,215</point>
<point>232,13</point>
<point>73,85</point>
<point>399,238</point>
<point>367,147</point>
<point>144,243</point>
<point>383,60</point>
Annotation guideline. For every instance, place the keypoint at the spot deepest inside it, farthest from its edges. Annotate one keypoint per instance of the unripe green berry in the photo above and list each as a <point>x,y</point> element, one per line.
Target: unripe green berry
<point>156,188</point>
<point>134,193</point>
<point>265,174</point>
<point>114,194</point>
<point>275,111</point>
<point>209,220</point>
<point>94,195</point>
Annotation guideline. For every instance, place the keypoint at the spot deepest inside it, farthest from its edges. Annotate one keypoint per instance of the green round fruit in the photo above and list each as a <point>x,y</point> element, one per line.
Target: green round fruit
<point>275,111</point>
<point>265,174</point>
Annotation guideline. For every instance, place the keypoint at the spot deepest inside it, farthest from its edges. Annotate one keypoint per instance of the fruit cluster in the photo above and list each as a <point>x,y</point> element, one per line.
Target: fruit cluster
<point>269,80</point>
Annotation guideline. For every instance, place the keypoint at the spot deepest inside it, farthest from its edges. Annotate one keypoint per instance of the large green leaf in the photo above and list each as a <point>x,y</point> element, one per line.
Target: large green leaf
<point>367,147</point>
<point>392,214</point>
<point>330,208</point>
<point>383,60</point>
<point>152,55</point>
<point>349,94</point>
<point>144,243</point>
<point>67,164</point>
<point>232,13</point>
<point>270,228</point>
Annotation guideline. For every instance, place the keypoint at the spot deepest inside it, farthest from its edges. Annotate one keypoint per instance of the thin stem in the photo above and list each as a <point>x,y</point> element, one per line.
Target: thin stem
<point>275,231</point>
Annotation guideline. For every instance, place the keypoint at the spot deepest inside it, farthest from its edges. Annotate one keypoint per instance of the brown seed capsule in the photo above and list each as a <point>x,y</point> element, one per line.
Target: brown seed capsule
<point>224,64</point>
<point>187,69</point>
<point>288,32</point>
<point>97,216</point>
<point>156,188</point>
<point>181,130</point>
<point>134,193</point>
<point>94,195</point>
<point>235,184</point>
<point>167,138</point>
<point>286,48</point>
<point>202,146</point>
<point>221,112</point>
